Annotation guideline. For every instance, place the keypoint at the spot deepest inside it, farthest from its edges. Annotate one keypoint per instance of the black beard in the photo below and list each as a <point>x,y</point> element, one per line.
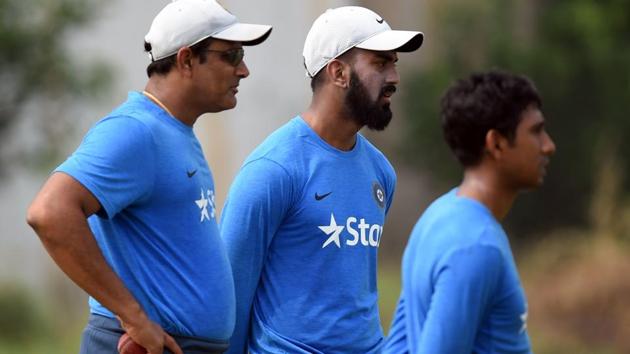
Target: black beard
<point>362,109</point>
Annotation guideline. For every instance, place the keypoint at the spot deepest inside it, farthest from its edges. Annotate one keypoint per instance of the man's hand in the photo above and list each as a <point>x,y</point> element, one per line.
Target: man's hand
<point>151,336</point>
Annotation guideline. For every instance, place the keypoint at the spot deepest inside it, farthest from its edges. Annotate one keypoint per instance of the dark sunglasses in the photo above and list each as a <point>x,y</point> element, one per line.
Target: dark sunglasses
<point>231,56</point>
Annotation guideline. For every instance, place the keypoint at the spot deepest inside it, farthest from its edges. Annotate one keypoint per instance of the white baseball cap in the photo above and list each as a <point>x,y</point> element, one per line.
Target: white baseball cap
<point>338,30</point>
<point>184,23</point>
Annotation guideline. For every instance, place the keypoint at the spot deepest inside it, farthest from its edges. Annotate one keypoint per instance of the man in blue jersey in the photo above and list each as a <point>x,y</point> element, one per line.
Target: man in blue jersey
<point>130,216</point>
<point>461,291</point>
<point>305,215</point>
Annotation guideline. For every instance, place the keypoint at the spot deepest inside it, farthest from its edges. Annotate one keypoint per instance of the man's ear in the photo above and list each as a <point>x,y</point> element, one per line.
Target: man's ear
<point>495,144</point>
<point>338,73</point>
<point>184,61</point>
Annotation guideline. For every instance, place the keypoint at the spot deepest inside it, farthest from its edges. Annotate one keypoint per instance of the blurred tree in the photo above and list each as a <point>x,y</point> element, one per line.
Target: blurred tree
<point>37,69</point>
<point>21,317</point>
<point>578,54</point>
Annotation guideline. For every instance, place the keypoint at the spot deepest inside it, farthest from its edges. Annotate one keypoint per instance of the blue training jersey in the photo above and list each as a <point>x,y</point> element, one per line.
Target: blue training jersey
<point>302,225</point>
<point>157,227</point>
<point>461,292</point>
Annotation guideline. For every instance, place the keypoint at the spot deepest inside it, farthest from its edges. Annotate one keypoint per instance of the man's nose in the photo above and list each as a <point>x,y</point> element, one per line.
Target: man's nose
<point>549,147</point>
<point>241,70</point>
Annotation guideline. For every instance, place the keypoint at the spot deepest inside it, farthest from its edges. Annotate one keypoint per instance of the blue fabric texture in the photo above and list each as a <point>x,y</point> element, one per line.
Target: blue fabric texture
<point>157,227</point>
<point>461,291</point>
<point>302,225</point>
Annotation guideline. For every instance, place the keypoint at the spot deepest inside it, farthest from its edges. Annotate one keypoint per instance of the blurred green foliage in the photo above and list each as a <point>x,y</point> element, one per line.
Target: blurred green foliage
<point>21,317</point>
<point>578,54</point>
<point>28,324</point>
<point>35,65</point>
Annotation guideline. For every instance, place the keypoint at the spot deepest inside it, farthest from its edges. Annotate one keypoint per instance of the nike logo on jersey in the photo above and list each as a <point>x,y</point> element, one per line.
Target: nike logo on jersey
<point>379,20</point>
<point>191,173</point>
<point>320,197</point>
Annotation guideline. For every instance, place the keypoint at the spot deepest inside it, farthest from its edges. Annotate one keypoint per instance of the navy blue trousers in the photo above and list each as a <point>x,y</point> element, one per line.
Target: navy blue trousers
<point>101,336</point>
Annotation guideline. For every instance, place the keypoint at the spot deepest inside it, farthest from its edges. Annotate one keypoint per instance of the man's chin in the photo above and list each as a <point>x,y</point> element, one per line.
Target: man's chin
<point>533,185</point>
<point>379,126</point>
<point>231,103</point>
<point>223,107</point>
<point>382,121</point>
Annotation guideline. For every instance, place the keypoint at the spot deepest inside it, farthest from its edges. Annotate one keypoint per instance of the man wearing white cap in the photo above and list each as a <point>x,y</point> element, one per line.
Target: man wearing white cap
<point>130,216</point>
<point>305,215</point>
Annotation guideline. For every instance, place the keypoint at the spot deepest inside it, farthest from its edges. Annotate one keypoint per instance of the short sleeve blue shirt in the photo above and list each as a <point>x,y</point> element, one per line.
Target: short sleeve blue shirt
<point>157,227</point>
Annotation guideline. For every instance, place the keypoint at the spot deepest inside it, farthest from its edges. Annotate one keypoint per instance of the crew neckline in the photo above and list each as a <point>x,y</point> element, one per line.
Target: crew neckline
<point>160,113</point>
<point>477,204</point>
<point>305,128</point>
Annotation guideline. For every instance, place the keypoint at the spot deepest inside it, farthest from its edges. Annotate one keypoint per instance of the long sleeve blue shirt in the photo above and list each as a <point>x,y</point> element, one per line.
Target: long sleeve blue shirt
<point>461,291</point>
<point>302,225</point>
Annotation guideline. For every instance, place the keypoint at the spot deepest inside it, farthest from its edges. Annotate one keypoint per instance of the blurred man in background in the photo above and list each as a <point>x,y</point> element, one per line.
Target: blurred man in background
<point>461,291</point>
<point>130,216</point>
<point>305,215</point>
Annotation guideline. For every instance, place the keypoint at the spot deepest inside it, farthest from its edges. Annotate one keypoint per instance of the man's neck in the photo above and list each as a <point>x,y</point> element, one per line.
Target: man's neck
<point>171,100</point>
<point>483,185</point>
<point>328,121</point>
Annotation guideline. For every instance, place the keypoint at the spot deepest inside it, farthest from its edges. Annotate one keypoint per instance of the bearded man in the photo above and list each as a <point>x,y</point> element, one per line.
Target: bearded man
<point>304,217</point>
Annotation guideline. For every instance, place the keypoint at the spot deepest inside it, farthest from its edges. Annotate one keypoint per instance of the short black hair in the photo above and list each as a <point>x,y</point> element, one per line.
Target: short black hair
<point>484,101</point>
<point>164,65</point>
<point>318,79</point>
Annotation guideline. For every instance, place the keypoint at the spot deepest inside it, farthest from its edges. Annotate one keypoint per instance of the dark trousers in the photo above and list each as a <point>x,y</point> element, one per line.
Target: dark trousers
<point>101,336</point>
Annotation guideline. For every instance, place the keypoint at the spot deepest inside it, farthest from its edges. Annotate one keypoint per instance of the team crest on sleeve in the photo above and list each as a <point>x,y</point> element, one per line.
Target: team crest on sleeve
<point>379,194</point>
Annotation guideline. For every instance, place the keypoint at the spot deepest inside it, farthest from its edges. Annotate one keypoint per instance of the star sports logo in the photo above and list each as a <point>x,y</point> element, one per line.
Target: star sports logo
<point>206,205</point>
<point>367,235</point>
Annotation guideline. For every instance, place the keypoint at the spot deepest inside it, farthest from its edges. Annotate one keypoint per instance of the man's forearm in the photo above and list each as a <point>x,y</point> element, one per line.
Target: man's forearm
<point>72,246</point>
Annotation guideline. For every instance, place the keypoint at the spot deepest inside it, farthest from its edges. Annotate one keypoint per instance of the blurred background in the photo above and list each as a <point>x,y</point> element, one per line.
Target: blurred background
<point>66,63</point>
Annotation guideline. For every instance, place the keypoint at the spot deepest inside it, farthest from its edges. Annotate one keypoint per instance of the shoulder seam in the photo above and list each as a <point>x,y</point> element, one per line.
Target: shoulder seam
<point>148,131</point>
<point>270,160</point>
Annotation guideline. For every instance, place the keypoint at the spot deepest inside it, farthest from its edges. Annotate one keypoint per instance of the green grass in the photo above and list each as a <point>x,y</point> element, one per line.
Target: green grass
<point>39,347</point>
<point>32,324</point>
<point>389,290</point>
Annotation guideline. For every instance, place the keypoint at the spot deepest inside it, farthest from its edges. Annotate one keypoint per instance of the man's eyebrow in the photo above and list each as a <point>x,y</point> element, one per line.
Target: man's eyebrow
<point>538,125</point>
<point>387,56</point>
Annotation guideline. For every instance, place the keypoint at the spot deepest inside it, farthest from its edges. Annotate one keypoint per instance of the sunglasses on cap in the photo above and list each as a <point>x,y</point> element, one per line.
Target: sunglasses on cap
<point>232,56</point>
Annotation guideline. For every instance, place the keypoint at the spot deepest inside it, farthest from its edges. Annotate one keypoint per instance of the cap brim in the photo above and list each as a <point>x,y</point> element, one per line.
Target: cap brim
<point>246,33</point>
<point>400,41</point>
